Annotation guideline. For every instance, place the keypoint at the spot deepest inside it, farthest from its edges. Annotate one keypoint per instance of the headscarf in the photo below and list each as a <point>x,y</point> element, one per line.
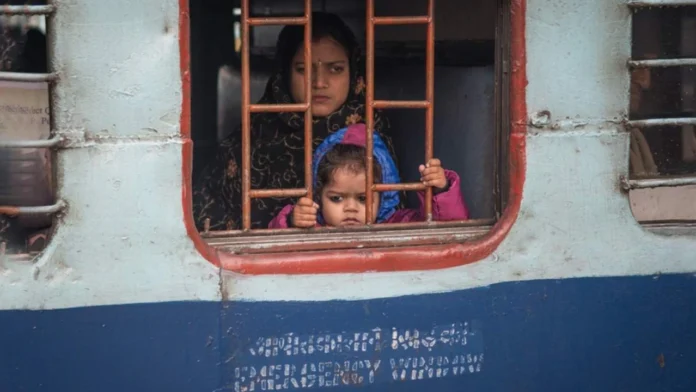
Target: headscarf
<point>356,135</point>
<point>277,139</point>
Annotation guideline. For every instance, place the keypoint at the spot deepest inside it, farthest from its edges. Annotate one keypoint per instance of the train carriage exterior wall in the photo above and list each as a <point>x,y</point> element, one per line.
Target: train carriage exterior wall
<point>578,296</point>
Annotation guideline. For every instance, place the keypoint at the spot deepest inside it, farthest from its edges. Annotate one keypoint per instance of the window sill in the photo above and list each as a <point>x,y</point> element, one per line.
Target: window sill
<point>671,228</point>
<point>298,240</point>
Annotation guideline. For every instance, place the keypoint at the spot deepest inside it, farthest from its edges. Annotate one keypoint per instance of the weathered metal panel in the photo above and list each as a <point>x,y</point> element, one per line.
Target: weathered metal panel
<point>118,63</point>
<point>577,52</point>
<point>122,237</point>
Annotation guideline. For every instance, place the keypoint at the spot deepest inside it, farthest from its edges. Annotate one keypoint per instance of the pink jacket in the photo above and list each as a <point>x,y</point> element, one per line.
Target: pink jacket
<point>447,206</point>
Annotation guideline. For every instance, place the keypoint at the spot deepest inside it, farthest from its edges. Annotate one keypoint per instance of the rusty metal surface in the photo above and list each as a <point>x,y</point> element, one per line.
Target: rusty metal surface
<point>430,97</point>
<point>248,108</point>
<point>275,21</point>
<point>371,103</point>
<point>265,193</point>
<point>278,108</point>
<point>401,20</point>
<point>414,186</point>
<point>383,104</point>
<point>246,120</point>
<point>308,123</point>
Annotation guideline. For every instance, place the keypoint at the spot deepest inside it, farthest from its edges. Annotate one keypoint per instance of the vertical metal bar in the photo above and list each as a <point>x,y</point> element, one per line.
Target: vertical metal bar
<point>430,97</point>
<point>369,109</point>
<point>246,121</point>
<point>308,98</point>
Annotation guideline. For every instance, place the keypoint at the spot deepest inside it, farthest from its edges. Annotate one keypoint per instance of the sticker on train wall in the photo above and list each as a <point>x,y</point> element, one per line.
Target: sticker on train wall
<point>294,361</point>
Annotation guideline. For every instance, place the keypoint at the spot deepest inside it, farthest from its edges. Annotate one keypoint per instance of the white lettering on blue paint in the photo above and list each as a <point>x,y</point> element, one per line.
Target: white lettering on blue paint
<point>412,354</point>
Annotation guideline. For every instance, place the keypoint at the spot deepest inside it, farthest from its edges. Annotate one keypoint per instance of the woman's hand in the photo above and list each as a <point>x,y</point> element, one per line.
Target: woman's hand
<point>432,174</point>
<point>304,215</point>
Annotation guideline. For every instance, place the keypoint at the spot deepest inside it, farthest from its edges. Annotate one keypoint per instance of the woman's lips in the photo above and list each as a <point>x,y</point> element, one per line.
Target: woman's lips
<point>320,99</point>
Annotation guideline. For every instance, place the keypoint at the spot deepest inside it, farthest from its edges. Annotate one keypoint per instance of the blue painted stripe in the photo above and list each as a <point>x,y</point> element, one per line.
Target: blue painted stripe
<point>600,334</point>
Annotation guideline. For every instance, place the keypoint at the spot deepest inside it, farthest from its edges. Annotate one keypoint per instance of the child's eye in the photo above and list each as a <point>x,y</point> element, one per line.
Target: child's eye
<point>335,199</point>
<point>362,199</point>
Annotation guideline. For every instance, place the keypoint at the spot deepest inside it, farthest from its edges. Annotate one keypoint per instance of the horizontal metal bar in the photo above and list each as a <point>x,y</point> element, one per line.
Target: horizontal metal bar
<point>400,104</point>
<point>662,63</point>
<point>27,9</point>
<point>265,193</point>
<point>38,210</point>
<point>661,122</point>
<point>660,3</point>
<point>275,21</point>
<point>278,108</point>
<point>46,143</point>
<point>27,77</point>
<point>414,186</point>
<point>657,182</point>
<point>400,20</point>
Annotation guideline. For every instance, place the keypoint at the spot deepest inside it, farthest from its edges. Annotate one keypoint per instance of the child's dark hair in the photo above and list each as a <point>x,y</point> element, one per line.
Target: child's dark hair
<point>344,156</point>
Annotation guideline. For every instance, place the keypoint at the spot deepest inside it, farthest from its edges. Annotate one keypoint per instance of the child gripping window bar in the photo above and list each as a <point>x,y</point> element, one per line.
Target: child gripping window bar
<point>339,182</point>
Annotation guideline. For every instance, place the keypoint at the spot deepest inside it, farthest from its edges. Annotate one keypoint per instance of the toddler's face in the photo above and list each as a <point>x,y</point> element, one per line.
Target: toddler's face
<point>343,200</point>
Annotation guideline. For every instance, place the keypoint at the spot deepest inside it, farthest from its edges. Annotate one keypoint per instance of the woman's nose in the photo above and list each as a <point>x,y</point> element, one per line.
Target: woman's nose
<point>319,78</point>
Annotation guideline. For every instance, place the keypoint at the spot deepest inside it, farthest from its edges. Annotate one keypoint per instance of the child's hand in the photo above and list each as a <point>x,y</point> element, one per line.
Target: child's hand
<point>432,174</point>
<point>304,214</point>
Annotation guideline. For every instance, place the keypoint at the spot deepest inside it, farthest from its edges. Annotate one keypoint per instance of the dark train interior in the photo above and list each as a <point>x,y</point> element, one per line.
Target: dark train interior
<point>465,128</point>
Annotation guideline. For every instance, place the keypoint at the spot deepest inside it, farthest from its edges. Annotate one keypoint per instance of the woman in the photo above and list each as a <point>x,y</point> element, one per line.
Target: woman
<point>277,139</point>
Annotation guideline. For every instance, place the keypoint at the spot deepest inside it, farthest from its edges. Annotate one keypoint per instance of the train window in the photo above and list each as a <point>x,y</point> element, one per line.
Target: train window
<point>462,63</point>
<point>662,113</point>
<point>27,198</point>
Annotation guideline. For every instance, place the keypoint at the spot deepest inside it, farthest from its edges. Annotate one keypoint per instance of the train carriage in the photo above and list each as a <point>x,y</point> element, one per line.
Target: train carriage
<point>571,124</point>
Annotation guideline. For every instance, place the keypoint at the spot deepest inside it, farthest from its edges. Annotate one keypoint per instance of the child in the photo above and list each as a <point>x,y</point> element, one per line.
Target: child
<point>339,177</point>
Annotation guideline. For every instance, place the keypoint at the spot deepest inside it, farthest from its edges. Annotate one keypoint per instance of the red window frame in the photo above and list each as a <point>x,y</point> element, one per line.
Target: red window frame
<point>406,258</point>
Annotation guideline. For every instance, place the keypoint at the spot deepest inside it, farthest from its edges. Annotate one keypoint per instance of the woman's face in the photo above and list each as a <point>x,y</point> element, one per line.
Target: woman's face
<point>330,76</point>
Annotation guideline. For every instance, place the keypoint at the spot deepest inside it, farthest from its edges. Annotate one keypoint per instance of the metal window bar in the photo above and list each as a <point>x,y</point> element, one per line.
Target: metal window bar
<point>248,108</point>
<point>27,9</point>
<point>663,181</point>
<point>657,182</point>
<point>660,3</point>
<point>371,103</point>
<point>662,63</point>
<point>52,142</point>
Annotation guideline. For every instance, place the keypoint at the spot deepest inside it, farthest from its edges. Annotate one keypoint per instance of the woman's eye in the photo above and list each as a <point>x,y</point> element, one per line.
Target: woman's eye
<point>337,69</point>
<point>299,70</point>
